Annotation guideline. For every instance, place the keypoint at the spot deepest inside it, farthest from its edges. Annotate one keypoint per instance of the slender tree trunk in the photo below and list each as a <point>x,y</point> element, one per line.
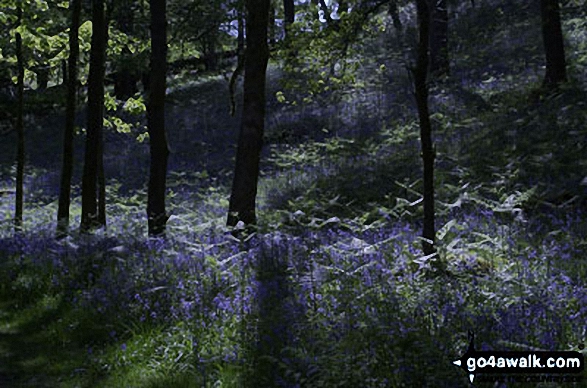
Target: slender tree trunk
<point>394,13</point>
<point>240,39</point>
<point>342,7</point>
<point>43,72</point>
<point>67,166</point>
<point>326,11</point>
<point>439,61</point>
<point>290,16</point>
<point>240,59</point>
<point>93,156</point>
<point>101,185</point>
<point>20,152</point>
<point>126,77</point>
<point>63,71</point>
<point>210,55</point>
<point>290,13</point>
<point>272,28</point>
<point>428,153</point>
<point>246,173</point>
<point>554,45</point>
<point>156,120</point>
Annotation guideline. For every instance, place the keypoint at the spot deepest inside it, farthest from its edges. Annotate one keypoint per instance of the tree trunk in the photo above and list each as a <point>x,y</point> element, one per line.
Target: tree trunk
<point>428,154</point>
<point>20,152</point>
<point>240,39</point>
<point>126,77</point>
<point>290,14</point>
<point>246,173</point>
<point>125,82</point>
<point>64,71</point>
<point>326,11</point>
<point>210,55</point>
<point>101,185</point>
<point>42,72</point>
<point>439,61</point>
<point>272,28</point>
<point>554,45</point>
<point>342,7</point>
<point>67,166</point>
<point>240,59</point>
<point>93,156</point>
<point>156,120</point>
<point>394,13</point>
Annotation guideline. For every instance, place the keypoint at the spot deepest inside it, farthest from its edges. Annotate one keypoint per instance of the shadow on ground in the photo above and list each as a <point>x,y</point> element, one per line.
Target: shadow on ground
<point>32,353</point>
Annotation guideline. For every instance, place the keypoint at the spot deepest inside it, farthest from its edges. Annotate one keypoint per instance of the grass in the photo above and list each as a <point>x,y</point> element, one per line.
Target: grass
<point>331,288</point>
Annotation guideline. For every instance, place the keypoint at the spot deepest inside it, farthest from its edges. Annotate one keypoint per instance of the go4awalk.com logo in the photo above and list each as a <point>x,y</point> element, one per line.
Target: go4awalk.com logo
<point>519,362</point>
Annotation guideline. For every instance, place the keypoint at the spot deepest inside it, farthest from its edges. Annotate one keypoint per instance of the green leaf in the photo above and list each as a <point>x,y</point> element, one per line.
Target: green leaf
<point>142,137</point>
<point>134,106</point>
<point>109,102</point>
<point>280,97</point>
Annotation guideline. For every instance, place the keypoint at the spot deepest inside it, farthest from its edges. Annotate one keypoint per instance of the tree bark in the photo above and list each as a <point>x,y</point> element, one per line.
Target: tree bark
<point>428,154</point>
<point>126,77</point>
<point>272,28</point>
<point>63,72</point>
<point>246,173</point>
<point>240,39</point>
<point>67,165</point>
<point>290,13</point>
<point>20,151</point>
<point>394,13</point>
<point>93,157</point>
<point>101,185</point>
<point>326,11</point>
<point>342,7</point>
<point>42,72</point>
<point>156,213</point>
<point>439,61</point>
<point>554,46</point>
<point>210,54</point>
<point>240,59</point>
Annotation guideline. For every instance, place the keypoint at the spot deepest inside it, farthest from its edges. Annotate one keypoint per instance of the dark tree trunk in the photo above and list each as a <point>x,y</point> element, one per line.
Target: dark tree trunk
<point>240,39</point>
<point>394,13</point>
<point>64,71</point>
<point>93,157</point>
<point>246,173</point>
<point>156,120</point>
<point>240,62</point>
<point>20,153</point>
<point>428,154</point>
<point>42,72</point>
<point>439,61</point>
<point>101,185</point>
<point>210,55</point>
<point>146,81</point>
<point>272,28</point>
<point>125,83</point>
<point>67,166</point>
<point>290,13</point>
<point>326,11</point>
<point>125,78</point>
<point>554,45</point>
<point>342,7</point>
